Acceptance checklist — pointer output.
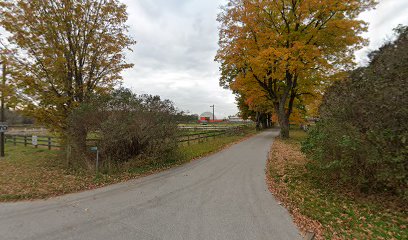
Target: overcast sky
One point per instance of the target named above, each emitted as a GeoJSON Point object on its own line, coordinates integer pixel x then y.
{"type": "Point", "coordinates": [177, 42]}
{"type": "Point", "coordinates": [174, 54]}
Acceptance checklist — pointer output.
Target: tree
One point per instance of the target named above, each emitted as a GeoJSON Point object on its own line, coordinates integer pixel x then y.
{"type": "Point", "coordinates": [286, 48]}
{"type": "Point", "coordinates": [186, 117]}
{"type": "Point", "coordinates": [255, 107]}
{"type": "Point", "coordinates": [62, 52]}
{"type": "Point", "coordinates": [15, 118]}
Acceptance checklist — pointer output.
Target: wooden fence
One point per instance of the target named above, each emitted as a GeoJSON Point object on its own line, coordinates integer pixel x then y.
{"type": "Point", "coordinates": [42, 141]}
{"type": "Point", "coordinates": [205, 128]}
{"type": "Point", "coordinates": [199, 136]}
{"type": "Point", "coordinates": [189, 135]}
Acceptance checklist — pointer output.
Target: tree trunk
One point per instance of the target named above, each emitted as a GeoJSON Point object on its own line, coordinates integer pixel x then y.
{"type": "Point", "coordinates": [283, 120]}
{"type": "Point", "coordinates": [258, 127]}
{"type": "Point", "coordinates": [81, 139]}
{"type": "Point", "coordinates": [268, 119]}
{"type": "Point", "coordinates": [76, 147]}
{"type": "Point", "coordinates": [264, 121]}
{"type": "Point", "coordinates": [284, 126]}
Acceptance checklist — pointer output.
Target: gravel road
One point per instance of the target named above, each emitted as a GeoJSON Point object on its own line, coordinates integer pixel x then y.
{"type": "Point", "coordinates": [223, 196]}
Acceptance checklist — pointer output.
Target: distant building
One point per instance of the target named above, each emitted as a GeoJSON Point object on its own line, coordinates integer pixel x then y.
{"type": "Point", "coordinates": [207, 117]}
{"type": "Point", "coordinates": [237, 119]}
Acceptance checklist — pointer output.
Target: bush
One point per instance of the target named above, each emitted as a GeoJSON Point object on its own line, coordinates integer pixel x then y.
{"type": "Point", "coordinates": [361, 139]}
{"type": "Point", "coordinates": [129, 130]}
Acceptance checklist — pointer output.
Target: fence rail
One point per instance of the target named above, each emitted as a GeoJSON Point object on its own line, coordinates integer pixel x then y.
{"type": "Point", "coordinates": [190, 134]}
{"type": "Point", "coordinates": [26, 140]}
{"type": "Point", "coordinates": [191, 137]}
{"type": "Point", "coordinates": [204, 127]}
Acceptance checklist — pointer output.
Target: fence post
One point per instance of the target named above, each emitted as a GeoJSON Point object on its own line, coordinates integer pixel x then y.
{"type": "Point", "coordinates": [25, 141]}
{"type": "Point", "coordinates": [14, 141]}
{"type": "Point", "coordinates": [188, 139]}
{"type": "Point", "coordinates": [49, 143]}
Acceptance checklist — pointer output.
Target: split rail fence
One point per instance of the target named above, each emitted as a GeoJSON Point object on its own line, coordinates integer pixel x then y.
{"type": "Point", "coordinates": [27, 140]}
{"type": "Point", "coordinates": [189, 135]}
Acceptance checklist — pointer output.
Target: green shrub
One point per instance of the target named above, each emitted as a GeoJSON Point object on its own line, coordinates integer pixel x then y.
{"type": "Point", "coordinates": [361, 140]}
{"type": "Point", "coordinates": [129, 130]}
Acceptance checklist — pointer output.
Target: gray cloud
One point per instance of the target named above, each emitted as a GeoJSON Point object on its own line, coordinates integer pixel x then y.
{"type": "Point", "coordinates": [382, 20]}
{"type": "Point", "coordinates": [174, 56]}
{"type": "Point", "coordinates": [177, 42]}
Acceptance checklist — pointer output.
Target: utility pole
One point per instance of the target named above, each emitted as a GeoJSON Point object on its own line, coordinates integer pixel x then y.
{"type": "Point", "coordinates": [213, 107]}
{"type": "Point", "coordinates": [2, 118]}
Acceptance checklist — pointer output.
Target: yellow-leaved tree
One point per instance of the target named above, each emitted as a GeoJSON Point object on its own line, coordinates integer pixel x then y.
{"type": "Point", "coordinates": [287, 48]}
{"type": "Point", "coordinates": [62, 52]}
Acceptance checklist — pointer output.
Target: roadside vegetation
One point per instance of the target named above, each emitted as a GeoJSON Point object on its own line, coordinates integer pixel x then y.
{"type": "Point", "coordinates": [33, 173]}
{"type": "Point", "coordinates": [329, 212]}
{"type": "Point", "coordinates": [347, 177]}
{"type": "Point", "coordinates": [282, 59]}
{"type": "Point", "coordinates": [128, 129]}
{"type": "Point", "coordinates": [361, 140]}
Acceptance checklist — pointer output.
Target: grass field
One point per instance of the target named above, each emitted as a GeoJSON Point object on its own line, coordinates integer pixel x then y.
{"type": "Point", "coordinates": [331, 213]}
{"type": "Point", "coordinates": [34, 173]}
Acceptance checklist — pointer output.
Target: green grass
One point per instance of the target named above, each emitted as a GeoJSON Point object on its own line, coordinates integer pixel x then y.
{"type": "Point", "coordinates": [35, 173]}
{"type": "Point", "coordinates": [296, 136]}
{"type": "Point", "coordinates": [208, 146]}
{"type": "Point", "coordinates": [220, 124]}
{"type": "Point", "coordinates": [342, 213]}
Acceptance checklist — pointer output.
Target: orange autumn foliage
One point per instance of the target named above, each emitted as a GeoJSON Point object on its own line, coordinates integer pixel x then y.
{"type": "Point", "coordinates": [281, 51]}
{"type": "Point", "coordinates": [63, 52]}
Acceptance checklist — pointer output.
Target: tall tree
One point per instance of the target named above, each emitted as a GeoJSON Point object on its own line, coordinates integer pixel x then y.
{"type": "Point", "coordinates": [287, 47]}
{"type": "Point", "coordinates": [63, 52]}
{"type": "Point", "coordinates": [256, 107]}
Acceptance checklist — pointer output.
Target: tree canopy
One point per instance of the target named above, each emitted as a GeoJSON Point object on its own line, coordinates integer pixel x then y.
{"type": "Point", "coordinates": [283, 50]}
{"type": "Point", "coordinates": [61, 52]}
